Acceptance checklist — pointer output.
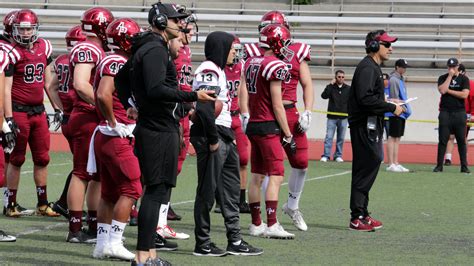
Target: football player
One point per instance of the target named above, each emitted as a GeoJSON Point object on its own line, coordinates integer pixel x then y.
{"type": "Point", "coordinates": [83, 61]}
{"type": "Point", "coordinates": [233, 73]}
{"type": "Point", "coordinates": [24, 109]}
{"type": "Point", "coordinates": [64, 98]}
{"type": "Point", "coordinates": [113, 145]}
{"type": "Point", "coordinates": [296, 58]}
{"type": "Point", "coordinates": [264, 76]}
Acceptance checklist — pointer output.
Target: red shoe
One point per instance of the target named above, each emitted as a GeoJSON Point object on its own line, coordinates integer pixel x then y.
{"type": "Point", "coordinates": [374, 223]}
{"type": "Point", "coordinates": [360, 225]}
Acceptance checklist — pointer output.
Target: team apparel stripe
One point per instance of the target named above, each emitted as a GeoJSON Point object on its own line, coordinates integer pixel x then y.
{"type": "Point", "coordinates": [3, 61]}
{"type": "Point", "coordinates": [306, 53]}
{"type": "Point", "coordinates": [280, 65]}
{"type": "Point", "coordinates": [86, 46]}
{"type": "Point", "coordinates": [110, 59]}
{"type": "Point", "coordinates": [268, 70]}
{"type": "Point", "coordinates": [12, 52]}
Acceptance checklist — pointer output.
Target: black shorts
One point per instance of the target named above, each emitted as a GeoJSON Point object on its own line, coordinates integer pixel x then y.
{"type": "Point", "coordinates": [157, 154]}
{"type": "Point", "coordinates": [396, 126]}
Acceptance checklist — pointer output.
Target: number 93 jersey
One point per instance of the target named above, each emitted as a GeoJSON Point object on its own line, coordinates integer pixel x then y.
{"type": "Point", "coordinates": [184, 68]}
{"type": "Point", "coordinates": [85, 52]}
{"type": "Point", "coordinates": [29, 72]}
{"type": "Point", "coordinates": [259, 71]}
{"type": "Point", "coordinates": [109, 66]}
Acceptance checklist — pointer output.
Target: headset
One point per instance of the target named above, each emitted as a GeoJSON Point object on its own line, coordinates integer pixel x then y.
{"type": "Point", "coordinates": [372, 44]}
{"type": "Point", "coordinates": [159, 20]}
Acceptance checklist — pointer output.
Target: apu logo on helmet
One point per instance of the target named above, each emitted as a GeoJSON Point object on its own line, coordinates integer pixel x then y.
{"type": "Point", "coordinates": [121, 28]}
{"type": "Point", "coordinates": [278, 32]}
{"type": "Point", "coordinates": [11, 18]}
{"type": "Point", "coordinates": [102, 18]}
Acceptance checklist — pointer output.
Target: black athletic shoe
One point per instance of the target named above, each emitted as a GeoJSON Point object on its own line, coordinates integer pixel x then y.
{"type": "Point", "coordinates": [464, 169]}
{"type": "Point", "coordinates": [162, 244]}
{"type": "Point", "coordinates": [152, 262]}
{"type": "Point", "coordinates": [173, 216]}
{"type": "Point", "coordinates": [243, 249]}
{"type": "Point", "coordinates": [438, 168]}
{"type": "Point", "coordinates": [447, 162]}
{"type": "Point", "coordinates": [244, 207]}
{"type": "Point", "coordinates": [210, 250]}
{"type": "Point", "coordinates": [81, 237]}
{"type": "Point", "coordinates": [61, 209]}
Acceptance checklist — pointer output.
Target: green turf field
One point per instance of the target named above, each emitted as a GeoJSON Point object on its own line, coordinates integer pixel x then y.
{"type": "Point", "coordinates": [428, 219]}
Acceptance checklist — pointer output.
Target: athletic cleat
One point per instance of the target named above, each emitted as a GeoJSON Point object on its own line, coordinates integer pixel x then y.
{"type": "Point", "coordinates": [276, 231]}
{"type": "Point", "coordinates": [173, 216]}
{"type": "Point", "coordinates": [169, 233]}
{"type": "Point", "coordinates": [210, 250]}
{"type": "Point", "coordinates": [100, 251]}
{"type": "Point", "coordinates": [438, 168]}
{"type": "Point", "coordinates": [243, 249]}
{"type": "Point", "coordinates": [58, 207]}
{"type": "Point", "coordinates": [118, 251]}
{"type": "Point", "coordinates": [296, 217]}
{"type": "Point", "coordinates": [324, 159]}
{"type": "Point", "coordinates": [466, 170]}
{"type": "Point", "coordinates": [162, 244]}
{"type": "Point", "coordinates": [393, 168]}
{"type": "Point", "coordinates": [402, 169]}
{"type": "Point", "coordinates": [257, 230]}
{"type": "Point", "coordinates": [339, 160]}
{"type": "Point", "coordinates": [12, 211]}
{"type": "Point", "coordinates": [6, 238]}
{"type": "Point", "coordinates": [447, 162]}
{"type": "Point", "coordinates": [45, 210]}
{"type": "Point", "coordinates": [80, 237]}
{"type": "Point", "coordinates": [374, 223]}
{"type": "Point", "coordinates": [25, 211]}
{"type": "Point", "coordinates": [360, 224]}
{"type": "Point", "coordinates": [244, 207]}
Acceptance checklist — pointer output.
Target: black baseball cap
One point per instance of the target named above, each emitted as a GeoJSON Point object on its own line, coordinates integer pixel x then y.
{"type": "Point", "coordinates": [401, 63]}
{"type": "Point", "coordinates": [170, 10]}
{"type": "Point", "coordinates": [452, 62]}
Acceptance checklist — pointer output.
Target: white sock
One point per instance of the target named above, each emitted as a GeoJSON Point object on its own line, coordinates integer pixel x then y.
{"type": "Point", "coordinates": [163, 218]}
{"type": "Point", "coordinates": [448, 156]}
{"type": "Point", "coordinates": [265, 184]}
{"type": "Point", "coordinates": [295, 187]}
{"type": "Point", "coordinates": [116, 232]}
{"type": "Point", "coordinates": [103, 232]}
{"type": "Point", "coordinates": [5, 197]}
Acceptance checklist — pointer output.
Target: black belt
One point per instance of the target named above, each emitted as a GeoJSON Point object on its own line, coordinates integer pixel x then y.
{"type": "Point", "coordinates": [29, 109]}
{"type": "Point", "coordinates": [235, 113]}
{"type": "Point", "coordinates": [289, 106]}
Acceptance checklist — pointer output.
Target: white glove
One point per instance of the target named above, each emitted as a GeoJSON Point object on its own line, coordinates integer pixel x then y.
{"type": "Point", "coordinates": [121, 129]}
{"type": "Point", "coordinates": [244, 118]}
{"type": "Point", "coordinates": [304, 121]}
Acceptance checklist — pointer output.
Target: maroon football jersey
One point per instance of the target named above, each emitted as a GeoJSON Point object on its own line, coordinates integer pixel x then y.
{"type": "Point", "coordinates": [301, 52]}
{"type": "Point", "coordinates": [61, 68]}
{"type": "Point", "coordinates": [109, 66]}
{"type": "Point", "coordinates": [4, 61]}
{"type": "Point", "coordinates": [28, 72]}
{"type": "Point", "coordinates": [251, 50]}
{"type": "Point", "coordinates": [184, 69]}
{"type": "Point", "coordinates": [259, 71]}
{"type": "Point", "coordinates": [232, 74]}
{"type": "Point", "coordinates": [12, 53]}
{"type": "Point", "coordinates": [85, 52]}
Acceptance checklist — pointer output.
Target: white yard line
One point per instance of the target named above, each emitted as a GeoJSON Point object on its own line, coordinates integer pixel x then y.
{"type": "Point", "coordinates": [32, 231]}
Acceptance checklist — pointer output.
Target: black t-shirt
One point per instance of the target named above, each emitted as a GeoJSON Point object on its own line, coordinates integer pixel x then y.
{"type": "Point", "coordinates": [448, 101]}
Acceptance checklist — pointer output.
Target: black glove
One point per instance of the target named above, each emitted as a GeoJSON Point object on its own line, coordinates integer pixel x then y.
{"type": "Point", "coordinates": [289, 142]}
{"type": "Point", "coordinates": [58, 119]}
{"type": "Point", "coordinates": [9, 140]}
{"type": "Point", "coordinates": [12, 125]}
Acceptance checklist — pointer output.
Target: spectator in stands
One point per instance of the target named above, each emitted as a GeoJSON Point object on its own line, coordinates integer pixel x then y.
{"type": "Point", "coordinates": [454, 89]}
{"type": "Point", "coordinates": [469, 102]}
{"type": "Point", "coordinates": [338, 94]}
{"type": "Point", "coordinates": [396, 128]}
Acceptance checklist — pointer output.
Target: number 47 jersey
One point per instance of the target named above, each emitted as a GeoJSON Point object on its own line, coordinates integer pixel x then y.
{"type": "Point", "coordinates": [259, 72]}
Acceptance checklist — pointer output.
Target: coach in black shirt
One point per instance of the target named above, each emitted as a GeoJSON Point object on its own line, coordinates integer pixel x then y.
{"type": "Point", "coordinates": [154, 86]}
{"type": "Point", "coordinates": [454, 89]}
{"type": "Point", "coordinates": [366, 108]}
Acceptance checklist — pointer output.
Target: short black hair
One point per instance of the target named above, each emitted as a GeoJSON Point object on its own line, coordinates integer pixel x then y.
{"type": "Point", "coordinates": [372, 36]}
{"type": "Point", "coordinates": [338, 71]}
{"type": "Point", "coordinates": [385, 76]}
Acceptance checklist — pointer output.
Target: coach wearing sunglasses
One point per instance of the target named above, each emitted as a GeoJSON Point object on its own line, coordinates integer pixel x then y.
{"type": "Point", "coordinates": [366, 108]}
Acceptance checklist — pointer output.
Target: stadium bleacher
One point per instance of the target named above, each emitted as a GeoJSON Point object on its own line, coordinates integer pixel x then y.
{"type": "Point", "coordinates": [430, 31]}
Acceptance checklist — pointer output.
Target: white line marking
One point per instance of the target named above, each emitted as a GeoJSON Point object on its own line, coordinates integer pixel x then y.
{"type": "Point", "coordinates": [284, 184]}
{"type": "Point", "coordinates": [50, 165]}
{"type": "Point", "coordinates": [32, 231]}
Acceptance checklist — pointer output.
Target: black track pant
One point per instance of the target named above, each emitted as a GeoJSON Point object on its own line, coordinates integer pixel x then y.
{"type": "Point", "coordinates": [367, 157]}
{"type": "Point", "coordinates": [218, 176]}
{"type": "Point", "coordinates": [452, 122]}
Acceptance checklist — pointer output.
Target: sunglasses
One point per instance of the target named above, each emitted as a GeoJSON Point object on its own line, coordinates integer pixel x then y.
{"type": "Point", "coordinates": [386, 44]}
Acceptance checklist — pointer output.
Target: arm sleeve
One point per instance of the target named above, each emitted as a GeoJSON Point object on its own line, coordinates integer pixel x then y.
{"type": "Point", "coordinates": [326, 93]}
{"type": "Point", "coordinates": [366, 95]}
{"type": "Point", "coordinates": [442, 79]}
{"type": "Point", "coordinates": [154, 74]}
{"type": "Point", "coordinates": [394, 88]}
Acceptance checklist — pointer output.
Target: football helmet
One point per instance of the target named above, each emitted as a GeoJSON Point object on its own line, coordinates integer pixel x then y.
{"type": "Point", "coordinates": [273, 17]}
{"type": "Point", "coordinates": [74, 35]}
{"type": "Point", "coordinates": [25, 27]}
{"type": "Point", "coordinates": [119, 34]}
{"type": "Point", "coordinates": [8, 23]}
{"type": "Point", "coordinates": [277, 38]}
{"type": "Point", "coordinates": [239, 50]}
{"type": "Point", "coordinates": [94, 22]}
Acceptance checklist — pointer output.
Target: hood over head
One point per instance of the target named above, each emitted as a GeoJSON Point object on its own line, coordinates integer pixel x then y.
{"type": "Point", "coordinates": [217, 47]}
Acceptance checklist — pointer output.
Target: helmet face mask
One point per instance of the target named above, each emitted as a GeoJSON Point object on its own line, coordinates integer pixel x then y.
{"type": "Point", "coordinates": [277, 38]}
{"type": "Point", "coordinates": [25, 27]}
{"type": "Point", "coordinates": [239, 50]}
